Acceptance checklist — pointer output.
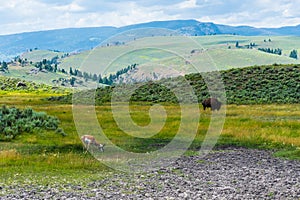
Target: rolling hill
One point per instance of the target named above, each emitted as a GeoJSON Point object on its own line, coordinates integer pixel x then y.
{"type": "Point", "coordinates": [79, 39]}
{"type": "Point", "coordinates": [162, 57]}
{"type": "Point", "coordinates": [249, 85]}
{"type": "Point", "coordinates": [178, 55]}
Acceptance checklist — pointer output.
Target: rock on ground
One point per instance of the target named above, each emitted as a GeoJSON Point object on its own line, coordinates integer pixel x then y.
{"type": "Point", "coordinates": [232, 173]}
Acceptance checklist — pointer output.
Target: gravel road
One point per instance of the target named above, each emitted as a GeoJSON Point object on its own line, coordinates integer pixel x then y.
{"type": "Point", "coordinates": [231, 173]}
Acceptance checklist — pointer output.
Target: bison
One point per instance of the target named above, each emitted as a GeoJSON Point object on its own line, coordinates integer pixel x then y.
{"type": "Point", "coordinates": [212, 103]}
{"type": "Point", "coordinates": [20, 84]}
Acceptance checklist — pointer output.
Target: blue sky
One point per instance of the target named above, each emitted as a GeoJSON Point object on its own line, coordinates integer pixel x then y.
{"type": "Point", "coordinates": [34, 15]}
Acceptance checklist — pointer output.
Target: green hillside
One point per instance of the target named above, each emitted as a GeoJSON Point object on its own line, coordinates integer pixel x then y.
{"type": "Point", "coordinates": [8, 84]}
{"type": "Point", "coordinates": [38, 55]}
{"type": "Point", "coordinates": [206, 53]}
{"type": "Point", "coordinates": [29, 72]}
{"type": "Point", "coordinates": [161, 57]}
{"type": "Point", "coordinates": [250, 85]}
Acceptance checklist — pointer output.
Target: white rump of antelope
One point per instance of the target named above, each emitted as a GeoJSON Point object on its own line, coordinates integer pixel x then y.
{"type": "Point", "coordinates": [90, 140]}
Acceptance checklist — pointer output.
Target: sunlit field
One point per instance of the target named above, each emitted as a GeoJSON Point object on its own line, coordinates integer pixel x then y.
{"type": "Point", "coordinates": [30, 157]}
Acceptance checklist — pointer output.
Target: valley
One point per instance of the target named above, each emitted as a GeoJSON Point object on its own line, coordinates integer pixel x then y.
{"type": "Point", "coordinates": [138, 91]}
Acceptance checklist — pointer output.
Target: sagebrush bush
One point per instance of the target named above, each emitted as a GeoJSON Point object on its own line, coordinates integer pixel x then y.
{"type": "Point", "coordinates": [249, 85]}
{"type": "Point", "coordinates": [14, 121]}
{"type": "Point", "coordinates": [11, 84]}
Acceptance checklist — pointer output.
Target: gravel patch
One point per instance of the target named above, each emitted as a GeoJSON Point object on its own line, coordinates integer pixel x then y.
{"type": "Point", "coordinates": [231, 173]}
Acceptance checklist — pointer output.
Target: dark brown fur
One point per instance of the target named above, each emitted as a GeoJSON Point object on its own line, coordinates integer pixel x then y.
{"type": "Point", "coordinates": [212, 103]}
{"type": "Point", "coordinates": [20, 84]}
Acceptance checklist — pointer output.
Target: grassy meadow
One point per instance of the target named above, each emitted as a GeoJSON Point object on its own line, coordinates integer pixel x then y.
{"type": "Point", "coordinates": [41, 77]}
{"type": "Point", "coordinates": [39, 55]}
{"type": "Point", "coordinates": [46, 157]}
{"type": "Point", "coordinates": [182, 54]}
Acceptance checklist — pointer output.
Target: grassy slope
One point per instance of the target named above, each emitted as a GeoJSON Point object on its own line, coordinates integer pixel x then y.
{"type": "Point", "coordinates": [41, 77]}
{"type": "Point", "coordinates": [39, 55]}
{"type": "Point", "coordinates": [110, 59]}
{"type": "Point", "coordinates": [249, 85]}
{"type": "Point", "coordinates": [8, 85]}
{"type": "Point", "coordinates": [44, 77]}
{"type": "Point", "coordinates": [286, 43]}
{"type": "Point", "coordinates": [166, 56]}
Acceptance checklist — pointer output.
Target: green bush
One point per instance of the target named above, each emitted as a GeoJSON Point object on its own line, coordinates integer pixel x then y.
{"type": "Point", "coordinates": [14, 122]}
{"type": "Point", "coordinates": [250, 85]}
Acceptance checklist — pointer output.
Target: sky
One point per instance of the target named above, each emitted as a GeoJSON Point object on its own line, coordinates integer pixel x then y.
{"type": "Point", "coordinates": [34, 15]}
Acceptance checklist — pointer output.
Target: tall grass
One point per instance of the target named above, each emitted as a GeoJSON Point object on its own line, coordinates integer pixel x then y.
{"type": "Point", "coordinates": [265, 125]}
{"type": "Point", "coordinates": [272, 126]}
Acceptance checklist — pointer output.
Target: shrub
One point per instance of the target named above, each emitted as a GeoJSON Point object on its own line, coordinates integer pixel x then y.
{"type": "Point", "coordinates": [250, 85]}
{"type": "Point", "coordinates": [14, 122]}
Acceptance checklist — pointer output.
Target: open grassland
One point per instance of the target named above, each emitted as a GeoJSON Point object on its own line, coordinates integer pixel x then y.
{"type": "Point", "coordinates": [161, 57]}
{"type": "Point", "coordinates": [10, 85]}
{"type": "Point", "coordinates": [39, 55]}
{"type": "Point", "coordinates": [46, 157]}
{"type": "Point", "coordinates": [206, 53]}
{"type": "Point", "coordinates": [25, 73]}
{"type": "Point", "coordinates": [286, 43]}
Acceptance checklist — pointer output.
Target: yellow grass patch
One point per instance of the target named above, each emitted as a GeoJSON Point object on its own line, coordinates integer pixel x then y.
{"type": "Point", "coordinates": [10, 154]}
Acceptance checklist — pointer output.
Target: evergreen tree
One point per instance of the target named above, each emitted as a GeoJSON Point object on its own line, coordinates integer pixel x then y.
{"type": "Point", "coordinates": [72, 81]}
{"type": "Point", "coordinates": [86, 75]}
{"type": "Point", "coordinates": [76, 72]}
{"type": "Point", "coordinates": [71, 71]}
{"type": "Point", "coordinates": [100, 79]}
{"type": "Point", "coordinates": [237, 44]}
{"type": "Point", "coordinates": [110, 79]}
{"type": "Point", "coordinates": [44, 61]}
{"type": "Point", "coordinates": [79, 73]}
{"type": "Point", "coordinates": [105, 81]}
{"type": "Point", "coordinates": [294, 54]}
{"type": "Point", "coordinates": [94, 77]}
{"type": "Point", "coordinates": [4, 66]}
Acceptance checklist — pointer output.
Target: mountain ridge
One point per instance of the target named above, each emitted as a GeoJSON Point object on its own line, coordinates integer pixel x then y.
{"type": "Point", "coordinates": [80, 39]}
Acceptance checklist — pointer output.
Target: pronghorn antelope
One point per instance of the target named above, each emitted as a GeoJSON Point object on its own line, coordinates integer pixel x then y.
{"type": "Point", "coordinates": [90, 140]}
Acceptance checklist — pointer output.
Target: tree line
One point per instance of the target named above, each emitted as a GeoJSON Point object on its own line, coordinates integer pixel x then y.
{"type": "Point", "coordinates": [52, 66]}
{"type": "Point", "coordinates": [108, 80]}
{"type": "Point", "coordinates": [277, 51]}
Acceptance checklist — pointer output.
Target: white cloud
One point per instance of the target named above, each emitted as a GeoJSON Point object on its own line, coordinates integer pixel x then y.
{"type": "Point", "coordinates": [72, 7]}
{"type": "Point", "coordinates": [32, 15]}
{"type": "Point", "coordinates": [258, 13]}
{"type": "Point", "coordinates": [187, 4]}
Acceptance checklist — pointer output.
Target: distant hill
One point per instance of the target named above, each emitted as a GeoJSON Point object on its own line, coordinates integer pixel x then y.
{"type": "Point", "coordinates": [287, 30]}
{"type": "Point", "coordinates": [8, 84]}
{"type": "Point", "coordinates": [250, 85]}
{"type": "Point", "coordinates": [195, 54]}
{"type": "Point", "coordinates": [79, 39]}
{"type": "Point", "coordinates": [67, 40]}
{"type": "Point", "coordinates": [206, 52]}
